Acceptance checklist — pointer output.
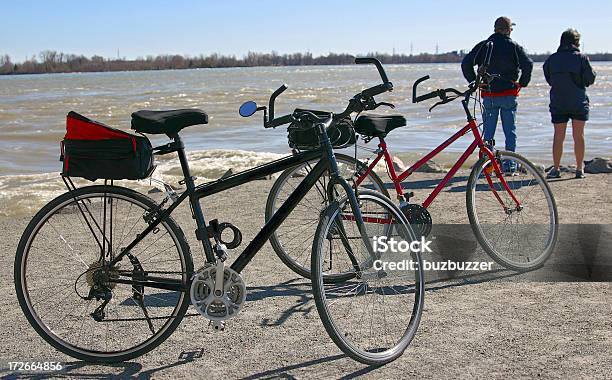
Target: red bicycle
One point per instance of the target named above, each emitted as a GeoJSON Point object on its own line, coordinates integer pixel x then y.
{"type": "Point", "coordinates": [514, 218]}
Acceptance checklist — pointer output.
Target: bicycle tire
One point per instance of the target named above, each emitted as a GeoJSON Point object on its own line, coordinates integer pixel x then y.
{"type": "Point", "coordinates": [289, 258]}
{"type": "Point", "coordinates": [20, 275]}
{"type": "Point", "coordinates": [477, 224]}
{"type": "Point", "coordinates": [343, 339]}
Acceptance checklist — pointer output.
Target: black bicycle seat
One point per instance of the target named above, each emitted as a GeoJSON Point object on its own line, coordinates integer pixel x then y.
{"type": "Point", "coordinates": [169, 122]}
{"type": "Point", "coordinates": [378, 125]}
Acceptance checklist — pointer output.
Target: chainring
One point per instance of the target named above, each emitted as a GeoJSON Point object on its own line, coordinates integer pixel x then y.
{"type": "Point", "coordinates": [217, 308]}
{"type": "Point", "coordinates": [418, 217]}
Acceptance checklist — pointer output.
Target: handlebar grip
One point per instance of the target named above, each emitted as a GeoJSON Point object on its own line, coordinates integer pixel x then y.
{"type": "Point", "coordinates": [365, 60]}
{"type": "Point", "coordinates": [416, 99]}
{"type": "Point", "coordinates": [378, 89]}
{"type": "Point", "coordinates": [431, 95]}
{"type": "Point", "coordinates": [276, 93]}
{"type": "Point", "coordinates": [381, 70]}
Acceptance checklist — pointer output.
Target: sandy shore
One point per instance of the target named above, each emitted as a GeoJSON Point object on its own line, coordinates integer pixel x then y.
{"type": "Point", "coordinates": [490, 328]}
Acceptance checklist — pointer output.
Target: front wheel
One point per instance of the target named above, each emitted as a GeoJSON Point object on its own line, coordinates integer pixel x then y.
{"type": "Point", "coordinates": [517, 228]}
{"type": "Point", "coordinates": [374, 316]}
{"type": "Point", "coordinates": [66, 287]}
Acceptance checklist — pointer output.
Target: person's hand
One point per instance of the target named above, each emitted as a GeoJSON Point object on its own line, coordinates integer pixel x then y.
{"type": "Point", "coordinates": [517, 85]}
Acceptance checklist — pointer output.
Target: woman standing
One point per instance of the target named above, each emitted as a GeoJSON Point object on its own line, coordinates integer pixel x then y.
{"type": "Point", "coordinates": [568, 72]}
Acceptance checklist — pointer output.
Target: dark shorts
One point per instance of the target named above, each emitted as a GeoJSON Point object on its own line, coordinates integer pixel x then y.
{"type": "Point", "coordinates": [558, 117]}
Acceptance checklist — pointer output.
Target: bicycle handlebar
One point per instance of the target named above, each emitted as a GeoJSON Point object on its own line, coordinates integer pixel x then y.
{"type": "Point", "coordinates": [273, 97]}
{"type": "Point", "coordinates": [415, 98]}
{"type": "Point", "coordinates": [381, 70]}
{"type": "Point", "coordinates": [377, 90]}
{"type": "Point", "coordinates": [442, 93]}
{"type": "Point", "coordinates": [360, 102]}
{"type": "Point", "coordinates": [380, 88]}
{"type": "Point", "coordinates": [439, 93]}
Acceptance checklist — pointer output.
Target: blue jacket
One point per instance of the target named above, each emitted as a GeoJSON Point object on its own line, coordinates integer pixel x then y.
{"type": "Point", "coordinates": [506, 60]}
{"type": "Point", "coordinates": [569, 73]}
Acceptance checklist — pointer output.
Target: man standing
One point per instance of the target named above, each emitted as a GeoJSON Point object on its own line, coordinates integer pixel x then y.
{"type": "Point", "coordinates": [499, 96]}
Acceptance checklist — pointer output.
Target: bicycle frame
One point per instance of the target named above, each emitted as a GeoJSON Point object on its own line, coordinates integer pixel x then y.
{"type": "Point", "coordinates": [326, 162]}
{"type": "Point", "coordinates": [478, 142]}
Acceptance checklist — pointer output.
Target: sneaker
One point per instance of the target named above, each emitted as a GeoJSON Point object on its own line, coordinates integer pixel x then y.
{"type": "Point", "coordinates": [553, 173]}
{"type": "Point", "coordinates": [580, 174]}
{"type": "Point", "coordinates": [509, 167]}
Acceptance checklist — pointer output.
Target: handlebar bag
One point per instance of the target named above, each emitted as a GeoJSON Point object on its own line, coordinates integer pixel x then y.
{"type": "Point", "coordinates": [93, 151]}
{"type": "Point", "coordinates": [302, 135]}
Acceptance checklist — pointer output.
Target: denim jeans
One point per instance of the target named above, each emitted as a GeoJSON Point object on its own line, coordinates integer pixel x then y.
{"type": "Point", "coordinates": [506, 107]}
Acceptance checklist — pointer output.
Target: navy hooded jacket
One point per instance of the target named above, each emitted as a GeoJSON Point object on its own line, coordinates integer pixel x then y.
{"type": "Point", "coordinates": [569, 73]}
{"type": "Point", "coordinates": [506, 60]}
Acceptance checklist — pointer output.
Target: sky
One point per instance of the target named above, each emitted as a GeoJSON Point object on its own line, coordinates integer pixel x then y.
{"type": "Point", "coordinates": [140, 28]}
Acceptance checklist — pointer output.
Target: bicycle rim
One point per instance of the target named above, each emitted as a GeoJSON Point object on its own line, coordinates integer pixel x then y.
{"type": "Point", "coordinates": [519, 239]}
{"type": "Point", "coordinates": [59, 256]}
{"type": "Point", "coordinates": [374, 316]}
{"type": "Point", "coordinates": [298, 230]}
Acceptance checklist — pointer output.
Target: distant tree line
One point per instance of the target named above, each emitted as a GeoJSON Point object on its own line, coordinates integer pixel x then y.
{"type": "Point", "coordinates": [54, 62]}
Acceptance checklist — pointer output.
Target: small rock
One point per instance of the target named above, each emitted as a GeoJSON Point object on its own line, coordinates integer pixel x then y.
{"type": "Point", "coordinates": [598, 165]}
{"type": "Point", "coordinates": [398, 165]}
{"type": "Point", "coordinates": [431, 167]}
{"type": "Point", "coordinates": [154, 190]}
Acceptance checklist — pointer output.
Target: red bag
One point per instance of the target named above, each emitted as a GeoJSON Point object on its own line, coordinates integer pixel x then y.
{"type": "Point", "coordinates": [93, 151]}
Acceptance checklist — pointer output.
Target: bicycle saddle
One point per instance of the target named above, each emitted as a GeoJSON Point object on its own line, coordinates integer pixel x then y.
{"type": "Point", "coordinates": [168, 122]}
{"type": "Point", "coordinates": [378, 125]}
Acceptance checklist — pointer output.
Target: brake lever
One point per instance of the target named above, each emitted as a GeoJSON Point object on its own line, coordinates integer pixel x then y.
{"type": "Point", "coordinates": [437, 104]}
{"type": "Point", "coordinates": [443, 101]}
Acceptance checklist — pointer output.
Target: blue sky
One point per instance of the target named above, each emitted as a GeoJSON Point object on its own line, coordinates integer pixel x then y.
{"type": "Point", "coordinates": [140, 28]}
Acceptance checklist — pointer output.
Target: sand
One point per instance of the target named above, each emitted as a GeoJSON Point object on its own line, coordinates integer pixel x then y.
{"type": "Point", "coordinates": [494, 328]}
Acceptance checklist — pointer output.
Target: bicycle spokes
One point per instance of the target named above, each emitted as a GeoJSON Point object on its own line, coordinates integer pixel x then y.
{"type": "Point", "coordinates": [514, 218]}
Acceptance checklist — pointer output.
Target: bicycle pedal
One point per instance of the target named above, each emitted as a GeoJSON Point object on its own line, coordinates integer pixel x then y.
{"type": "Point", "coordinates": [218, 325]}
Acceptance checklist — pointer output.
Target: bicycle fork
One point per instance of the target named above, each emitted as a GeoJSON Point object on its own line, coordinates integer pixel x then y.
{"type": "Point", "coordinates": [493, 158]}
{"type": "Point", "coordinates": [351, 192]}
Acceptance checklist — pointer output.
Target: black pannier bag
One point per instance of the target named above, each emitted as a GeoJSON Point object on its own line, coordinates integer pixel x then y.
{"type": "Point", "coordinates": [93, 151]}
{"type": "Point", "coordinates": [303, 135]}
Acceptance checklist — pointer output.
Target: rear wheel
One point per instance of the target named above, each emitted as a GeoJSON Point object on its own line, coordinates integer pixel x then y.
{"type": "Point", "coordinates": [62, 276]}
{"type": "Point", "coordinates": [297, 231]}
{"type": "Point", "coordinates": [517, 237]}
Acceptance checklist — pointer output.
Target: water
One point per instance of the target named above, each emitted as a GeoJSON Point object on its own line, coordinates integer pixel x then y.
{"type": "Point", "coordinates": [33, 110]}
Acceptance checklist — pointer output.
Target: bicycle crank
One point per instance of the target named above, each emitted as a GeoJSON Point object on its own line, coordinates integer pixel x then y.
{"type": "Point", "coordinates": [217, 297]}
{"type": "Point", "coordinates": [418, 217]}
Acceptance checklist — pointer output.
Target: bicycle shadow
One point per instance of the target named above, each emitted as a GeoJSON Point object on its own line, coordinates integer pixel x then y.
{"type": "Point", "coordinates": [285, 371]}
{"type": "Point", "coordinates": [514, 185]}
{"type": "Point", "coordinates": [301, 289]}
{"type": "Point", "coordinates": [165, 299]}
{"type": "Point", "coordinates": [130, 370]}
{"type": "Point", "coordinates": [296, 287]}
{"type": "Point", "coordinates": [426, 183]}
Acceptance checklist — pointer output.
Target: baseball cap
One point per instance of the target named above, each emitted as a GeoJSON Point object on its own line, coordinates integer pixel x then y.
{"type": "Point", "coordinates": [504, 23]}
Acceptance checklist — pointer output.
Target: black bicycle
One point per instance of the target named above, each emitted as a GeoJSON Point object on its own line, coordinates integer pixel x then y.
{"type": "Point", "coordinates": [103, 273]}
